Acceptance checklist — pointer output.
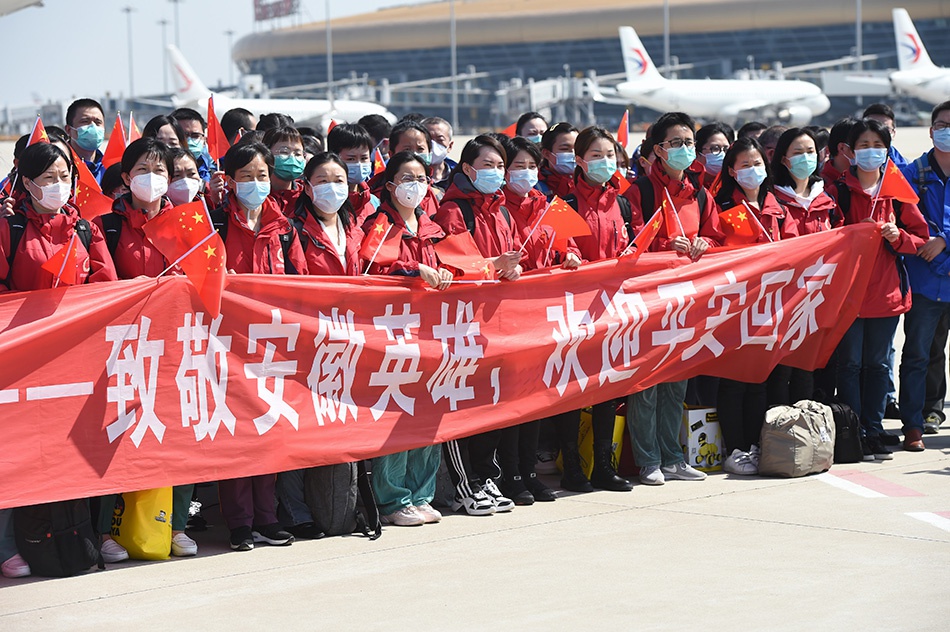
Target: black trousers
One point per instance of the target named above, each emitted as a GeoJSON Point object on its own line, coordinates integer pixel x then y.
{"type": "Point", "coordinates": [741, 412]}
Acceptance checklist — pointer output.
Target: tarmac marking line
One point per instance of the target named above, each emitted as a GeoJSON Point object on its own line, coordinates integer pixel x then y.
{"type": "Point", "coordinates": [940, 520]}
{"type": "Point", "coordinates": [867, 485]}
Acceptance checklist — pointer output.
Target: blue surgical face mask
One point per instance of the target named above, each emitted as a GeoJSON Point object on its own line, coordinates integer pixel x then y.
{"type": "Point", "coordinates": [566, 163]}
{"type": "Point", "coordinates": [714, 162]}
{"type": "Point", "coordinates": [329, 196]}
{"type": "Point", "coordinates": [522, 180]}
{"type": "Point", "coordinates": [803, 165]}
{"type": "Point", "coordinates": [536, 139]}
{"type": "Point", "coordinates": [942, 139]}
{"type": "Point", "coordinates": [871, 158]}
{"type": "Point", "coordinates": [196, 146]}
{"type": "Point", "coordinates": [357, 172]}
{"type": "Point", "coordinates": [680, 158]}
{"type": "Point", "coordinates": [252, 194]}
{"type": "Point", "coordinates": [288, 168]}
{"type": "Point", "coordinates": [601, 169]}
{"type": "Point", "coordinates": [751, 177]}
{"type": "Point", "coordinates": [489, 180]}
{"type": "Point", "coordinates": [89, 137]}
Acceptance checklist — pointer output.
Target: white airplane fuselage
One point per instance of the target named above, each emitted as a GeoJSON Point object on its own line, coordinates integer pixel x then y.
{"type": "Point", "coordinates": [931, 85]}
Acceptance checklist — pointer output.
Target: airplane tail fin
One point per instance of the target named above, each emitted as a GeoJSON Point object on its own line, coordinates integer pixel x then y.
{"type": "Point", "coordinates": [911, 54]}
{"type": "Point", "coordinates": [188, 87]}
{"type": "Point", "coordinates": [636, 60]}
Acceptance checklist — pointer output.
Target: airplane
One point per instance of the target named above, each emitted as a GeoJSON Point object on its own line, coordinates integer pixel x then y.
{"type": "Point", "coordinates": [728, 100]}
{"type": "Point", "coordinates": [917, 75]}
{"type": "Point", "coordinates": [191, 92]}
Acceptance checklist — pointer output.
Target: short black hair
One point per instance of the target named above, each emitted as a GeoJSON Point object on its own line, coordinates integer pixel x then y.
{"type": "Point", "coordinates": [37, 158]}
{"type": "Point", "coordinates": [668, 120]}
{"type": "Point", "coordinates": [417, 117]}
{"type": "Point", "coordinates": [188, 114]}
{"type": "Point", "coordinates": [349, 136]}
{"type": "Point", "coordinates": [404, 126]}
{"type": "Point", "coordinates": [160, 121]}
{"type": "Point", "coordinates": [241, 154]}
{"type": "Point", "coordinates": [150, 147]}
{"type": "Point", "coordinates": [306, 130]}
{"type": "Point", "coordinates": [396, 161]}
{"type": "Point", "coordinates": [378, 127]}
{"type": "Point", "coordinates": [518, 144]}
{"type": "Point", "coordinates": [869, 125]}
{"type": "Point", "coordinates": [236, 119]}
{"type": "Point", "coordinates": [751, 128]}
{"type": "Point", "coordinates": [79, 104]}
{"type": "Point", "coordinates": [549, 137]}
{"type": "Point", "coordinates": [940, 107]}
{"type": "Point", "coordinates": [312, 145]}
{"type": "Point", "coordinates": [528, 116]}
{"type": "Point", "coordinates": [112, 179]}
{"type": "Point", "coordinates": [711, 129]}
{"type": "Point", "coordinates": [879, 109]}
{"type": "Point", "coordinates": [274, 119]}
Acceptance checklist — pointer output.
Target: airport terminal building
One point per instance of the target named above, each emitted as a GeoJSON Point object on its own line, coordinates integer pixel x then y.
{"type": "Point", "coordinates": [533, 39]}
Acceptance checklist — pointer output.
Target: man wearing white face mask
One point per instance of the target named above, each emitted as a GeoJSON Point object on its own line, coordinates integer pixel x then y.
{"type": "Point", "coordinates": [441, 133]}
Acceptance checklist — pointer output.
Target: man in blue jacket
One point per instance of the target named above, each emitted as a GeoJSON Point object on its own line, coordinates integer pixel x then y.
{"type": "Point", "coordinates": [929, 275]}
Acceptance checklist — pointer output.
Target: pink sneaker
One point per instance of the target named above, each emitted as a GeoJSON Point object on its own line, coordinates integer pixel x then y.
{"type": "Point", "coordinates": [15, 567]}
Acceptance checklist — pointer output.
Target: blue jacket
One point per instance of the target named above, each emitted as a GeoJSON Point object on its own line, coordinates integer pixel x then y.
{"type": "Point", "coordinates": [896, 156]}
{"type": "Point", "coordinates": [931, 280]}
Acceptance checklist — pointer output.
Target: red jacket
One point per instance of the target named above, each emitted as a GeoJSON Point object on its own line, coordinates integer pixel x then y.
{"type": "Point", "coordinates": [829, 175]}
{"type": "Point", "coordinates": [362, 202]}
{"type": "Point", "coordinates": [696, 222]}
{"type": "Point", "coordinates": [414, 248]}
{"type": "Point", "coordinates": [287, 200]}
{"type": "Point", "coordinates": [559, 184]}
{"type": "Point", "coordinates": [261, 253]}
{"type": "Point", "coordinates": [44, 236]}
{"type": "Point", "coordinates": [800, 220]}
{"type": "Point", "coordinates": [321, 253]}
{"type": "Point", "coordinates": [494, 233]}
{"type": "Point", "coordinates": [599, 207]}
{"type": "Point", "coordinates": [524, 213]}
{"type": "Point", "coordinates": [771, 215]}
{"type": "Point", "coordinates": [430, 203]}
{"type": "Point", "coordinates": [888, 294]}
{"type": "Point", "coordinates": [134, 254]}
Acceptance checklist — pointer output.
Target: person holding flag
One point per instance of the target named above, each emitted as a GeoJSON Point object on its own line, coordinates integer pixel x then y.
{"type": "Point", "coordinates": [353, 144]}
{"type": "Point", "coordinates": [557, 167]}
{"type": "Point", "coordinates": [872, 191]}
{"type": "Point", "coordinates": [86, 126]}
{"type": "Point", "coordinates": [286, 145]}
{"type": "Point", "coordinates": [690, 227]}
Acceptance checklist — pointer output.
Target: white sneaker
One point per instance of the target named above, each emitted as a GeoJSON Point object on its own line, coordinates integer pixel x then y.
{"type": "Point", "coordinates": [740, 463]}
{"type": "Point", "coordinates": [754, 453]}
{"type": "Point", "coordinates": [183, 546]}
{"type": "Point", "coordinates": [682, 471]}
{"type": "Point", "coordinates": [15, 567]}
{"type": "Point", "coordinates": [478, 504]}
{"type": "Point", "coordinates": [429, 513]}
{"type": "Point", "coordinates": [502, 502]}
{"type": "Point", "coordinates": [113, 552]}
{"type": "Point", "coordinates": [651, 475]}
{"type": "Point", "coordinates": [405, 517]}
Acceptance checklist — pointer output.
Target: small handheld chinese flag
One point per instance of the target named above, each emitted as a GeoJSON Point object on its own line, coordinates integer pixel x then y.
{"type": "Point", "coordinates": [185, 237]}
{"type": "Point", "coordinates": [331, 126]}
{"type": "Point", "coordinates": [674, 227]}
{"type": "Point", "coordinates": [620, 181]}
{"type": "Point", "coordinates": [134, 133]}
{"type": "Point", "coordinates": [565, 222]}
{"type": "Point", "coordinates": [461, 252]}
{"type": "Point", "coordinates": [511, 131]}
{"type": "Point", "coordinates": [88, 196]}
{"type": "Point", "coordinates": [379, 165]}
{"type": "Point", "coordinates": [38, 135]}
{"type": "Point", "coordinates": [381, 243]}
{"type": "Point", "coordinates": [641, 243]}
{"type": "Point", "coordinates": [218, 144]}
{"type": "Point", "coordinates": [64, 264]}
{"type": "Point", "coordinates": [738, 227]}
{"type": "Point", "coordinates": [895, 186]}
{"type": "Point", "coordinates": [623, 132]}
{"type": "Point", "coordinates": [116, 146]}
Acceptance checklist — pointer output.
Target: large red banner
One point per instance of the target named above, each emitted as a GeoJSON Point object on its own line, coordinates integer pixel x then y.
{"type": "Point", "coordinates": [130, 385]}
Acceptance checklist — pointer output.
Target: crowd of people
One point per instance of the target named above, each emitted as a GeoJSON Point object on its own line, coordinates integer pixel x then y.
{"type": "Point", "coordinates": [285, 188]}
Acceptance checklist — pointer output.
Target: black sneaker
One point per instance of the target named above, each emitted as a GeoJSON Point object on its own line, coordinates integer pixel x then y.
{"type": "Point", "coordinates": [868, 453]}
{"type": "Point", "coordinates": [890, 440]}
{"type": "Point", "coordinates": [242, 539]}
{"type": "Point", "coordinates": [306, 531]}
{"type": "Point", "coordinates": [881, 451]}
{"type": "Point", "coordinates": [273, 534]}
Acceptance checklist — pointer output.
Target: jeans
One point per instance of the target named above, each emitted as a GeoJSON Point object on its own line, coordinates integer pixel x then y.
{"type": "Point", "coordinates": [406, 479]}
{"type": "Point", "coordinates": [292, 509]}
{"type": "Point", "coordinates": [657, 416]}
{"type": "Point", "coordinates": [919, 326]}
{"type": "Point", "coordinates": [937, 370]}
{"type": "Point", "coordinates": [865, 348]}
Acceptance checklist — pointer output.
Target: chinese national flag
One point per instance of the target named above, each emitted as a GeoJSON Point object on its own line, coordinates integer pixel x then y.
{"type": "Point", "coordinates": [565, 222]}
{"type": "Point", "coordinates": [116, 146]}
{"type": "Point", "coordinates": [511, 131]}
{"type": "Point", "coordinates": [621, 181]}
{"type": "Point", "coordinates": [38, 135]}
{"type": "Point", "coordinates": [218, 144]}
{"type": "Point", "coordinates": [88, 196]}
{"type": "Point", "coordinates": [379, 165]}
{"type": "Point", "coordinates": [461, 252]}
{"type": "Point", "coordinates": [738, 227]}
{"type": "Point", "coordinates": [641, 243]}
{"type": "Point", "coordinates": [623, 132]}
{"type": "Point", "coordinates": [134, 133]}
{"type": "Point", "coordinates": [895, 186]}
{"type": "Point", "coordinates": [674, 227]}
{"type": "Point", "coordinates": [185, 237]}
{"type": "Point", "coordinates": [65, 263]}
{"type": "Point", "coordinates": [331, 126]}
{"type": "Point", "coordinates": [382, 242]}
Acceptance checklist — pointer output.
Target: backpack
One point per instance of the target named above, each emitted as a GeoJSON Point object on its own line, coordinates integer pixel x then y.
{"type": "Point", "coordinates": [219, 219]}
{"type": "Point", "coordinates": [468, 214]}
{"type": "Point", "coordinates": [797, 440]}
{"type": "Point", "coordinates": [332, 493]}
{"type": "Point", "coordinates": [847, 434]}
{"type": "Point", "coordinates": [17, 223]}
{"type": "Point", "coordinates": [626, 212]}
{"type": "Point", "coordinates": [112, 229]}
{"type": "Point", "coordinates": [57, 539]}
{"type": "Point", "coordinates": [648, 199]}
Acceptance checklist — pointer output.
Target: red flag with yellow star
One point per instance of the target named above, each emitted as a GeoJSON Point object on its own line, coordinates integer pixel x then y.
{"type": "Point", "coordinates": [64, 264]}
{"type": "Point", "coordinates": [895, 186]}
{"type": "Point", "coordinates": [116, 146]}
{"type": "Point", "coordinates": [623, 132]}
{"type": "Point", "coordinates": [134, 133]}
{"type": "Point", "coordinates": [218, 144]}
{"type": "Point", "coordinates": [565, 222]}
{"type": "Point", "coordinates": [38, 135]}
{"type": "Point", "coordinates": [461, 252]}
{"type": "Point", "coordinates": [738, 227]}
{"type": "Point", "coordinates": [641, 243]}
{"type": "Point", "coordinates": [88, 197]}
{"type": "Point", "coordinates": [379, 164]}
{"type": "Point", "coordinates": [186, 238]}
{"type": "Point", "coordinates": [382, 242]}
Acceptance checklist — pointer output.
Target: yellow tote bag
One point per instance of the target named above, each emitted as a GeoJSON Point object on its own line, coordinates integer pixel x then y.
{"type": "Point", "coordinates": [142, 523]}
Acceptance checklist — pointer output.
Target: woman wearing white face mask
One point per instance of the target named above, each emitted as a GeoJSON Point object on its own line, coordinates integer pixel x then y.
{"type": "Point", "coordinates": [186, 184]}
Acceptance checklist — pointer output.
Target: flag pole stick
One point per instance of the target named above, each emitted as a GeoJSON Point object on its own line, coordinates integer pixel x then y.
{"type": "Point", "coordinates": [757, 222]}
{"type": "Point", "coordinates": [62, 268]}
{"type": "Point", "coordinates": [534, 228]}
{"type": "Point", "coordinates": [381, 242]}
{"type": "Point", "coordinates": [191, 250]}
{"type": "Point", "coordinates": [679, 224]}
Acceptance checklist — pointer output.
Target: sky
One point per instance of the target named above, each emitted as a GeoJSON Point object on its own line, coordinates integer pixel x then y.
{"type": "Point", "coordinates": [75, 48]}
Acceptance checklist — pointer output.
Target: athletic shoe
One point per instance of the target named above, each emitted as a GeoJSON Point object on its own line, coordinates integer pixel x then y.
{"type": "Point", "coordinates": [15, 567]}
{"type": "Point", "coordinates": [866, 451]}
{"type": "Point", "coordinates": [478, 504]}
{"type": "Point", "coordinates": [740, 463]}
{"type": "Point", "coordinates": [405, 517]}
{"type": "Point", "coordinates": [183, 546]}
{"type": "Point", "coordinates": [113, 552]}
{"type": "Point", "coordinates": [429, 513]}
{"type": "Point", "coordinates": [272, 534]}
{"type": "Point", "coordinates": [754, 456]}
{"type": "Point", "coordinates": [306, 531]}
{"type": "Point", "coordinates": [514, 488]}
{"type": "Point", "coordinates": [651, 475]}
{"type": "Point", "coordinates": [890, 440]}
{"type": "Point", "coordinates": [682, 471]}
{"type": "Point", "coordinates": [881, 452]}
{"type": "Point", "coordinates": [932, 423]}
{"type": "Point", "coordinates": [242, 539]}
{"type": "Point", "coordinates": [502, 502]}
{"type": "Point", "coordinates": [547, 463]}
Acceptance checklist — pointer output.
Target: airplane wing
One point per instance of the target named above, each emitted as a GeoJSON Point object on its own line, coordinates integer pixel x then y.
{"type": "Point", "coordinates": [608, 94]}
{"type": "Point", "coordinates": [733, 110]}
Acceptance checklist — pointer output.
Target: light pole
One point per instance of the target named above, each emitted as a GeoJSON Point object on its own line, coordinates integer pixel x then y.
{"type": "Point", "coordinates": [230, 34]}
{"type": "Point", "coordinates": [329, 56]}
{"type": "Point", "coordinates": [177, 39]}
{"type": "Point", "coordinates": [666, 36]}
{"type": "Point", "coordinates": [164, 23]}
{"type": "Point", "coordinates": [858, 36]}
{"type": "Point", "coordinates": [128, 14]}
{"type": "Point", "coordinates": [453, 56]}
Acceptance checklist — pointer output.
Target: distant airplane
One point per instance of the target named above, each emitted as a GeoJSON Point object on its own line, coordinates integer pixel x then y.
{"type": "Point", "coordinates": [728, 100]}
{"type": "Point", "coordinates": [917, 75]}
{"type": "Point", "coordinates": [191, 92]}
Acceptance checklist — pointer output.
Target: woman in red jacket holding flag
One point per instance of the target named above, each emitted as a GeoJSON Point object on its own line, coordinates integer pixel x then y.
{"type": "Point", "coordinates": [869, 192]}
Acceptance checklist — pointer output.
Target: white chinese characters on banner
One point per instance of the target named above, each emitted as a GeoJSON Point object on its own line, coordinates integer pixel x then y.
{"type": "Point", "coordinates": [273, 369]}
{"type": "Point", "coordinates": [627, 313]}
{"type": "Point", "coordinates": [761, 320]}
{"type": "Point", "coordinates": [573, 327]}
{"type": "Point", "coordinates": [680, 299]}
{"type": "Point", "coordinates": [400, 366]}
{"type": "Point", "coordinates": [804, 319]}
{"type": "Point", "coordinates": [339, 345]}
{"type": "Point", "coordinates": [728, 308]}
{"type": "Point", "coordinates": [204, 370]}
{"type": "Point", "coordinates": [135, 368]}
{"type": "Point", "coordinates": [460, 356]}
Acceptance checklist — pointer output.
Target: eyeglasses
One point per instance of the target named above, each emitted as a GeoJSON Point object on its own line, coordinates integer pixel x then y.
{"type": "Point", "coordinates": [287, 151]}
{"type": "Point", "coordinates": [679, 142]}
{"type": "Point", "coordinates": [408, 179]}
{"type": "Point", "coordinates": [717, 149]}
{"type": "Point", "coordinates": [195, 136]}
{"type": "Point", "coordinates": [940, 126]}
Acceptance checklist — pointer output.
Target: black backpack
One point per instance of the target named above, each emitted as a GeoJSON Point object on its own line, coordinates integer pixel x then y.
{"type": "Point", "coordinates": [17, 223]}
{"type": "Point", "coordinates": [219, 219]}
{"type": "Point", "coordinates": [648, 199]}
{"type": "Point", "coordinates": [342, 500]}
{"type": "Point", "coordinates": [847, 434]}
{"type": "Point", "coordinates": [468, 214]}
{"type": "Point", "coordinates": [57, 539]}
